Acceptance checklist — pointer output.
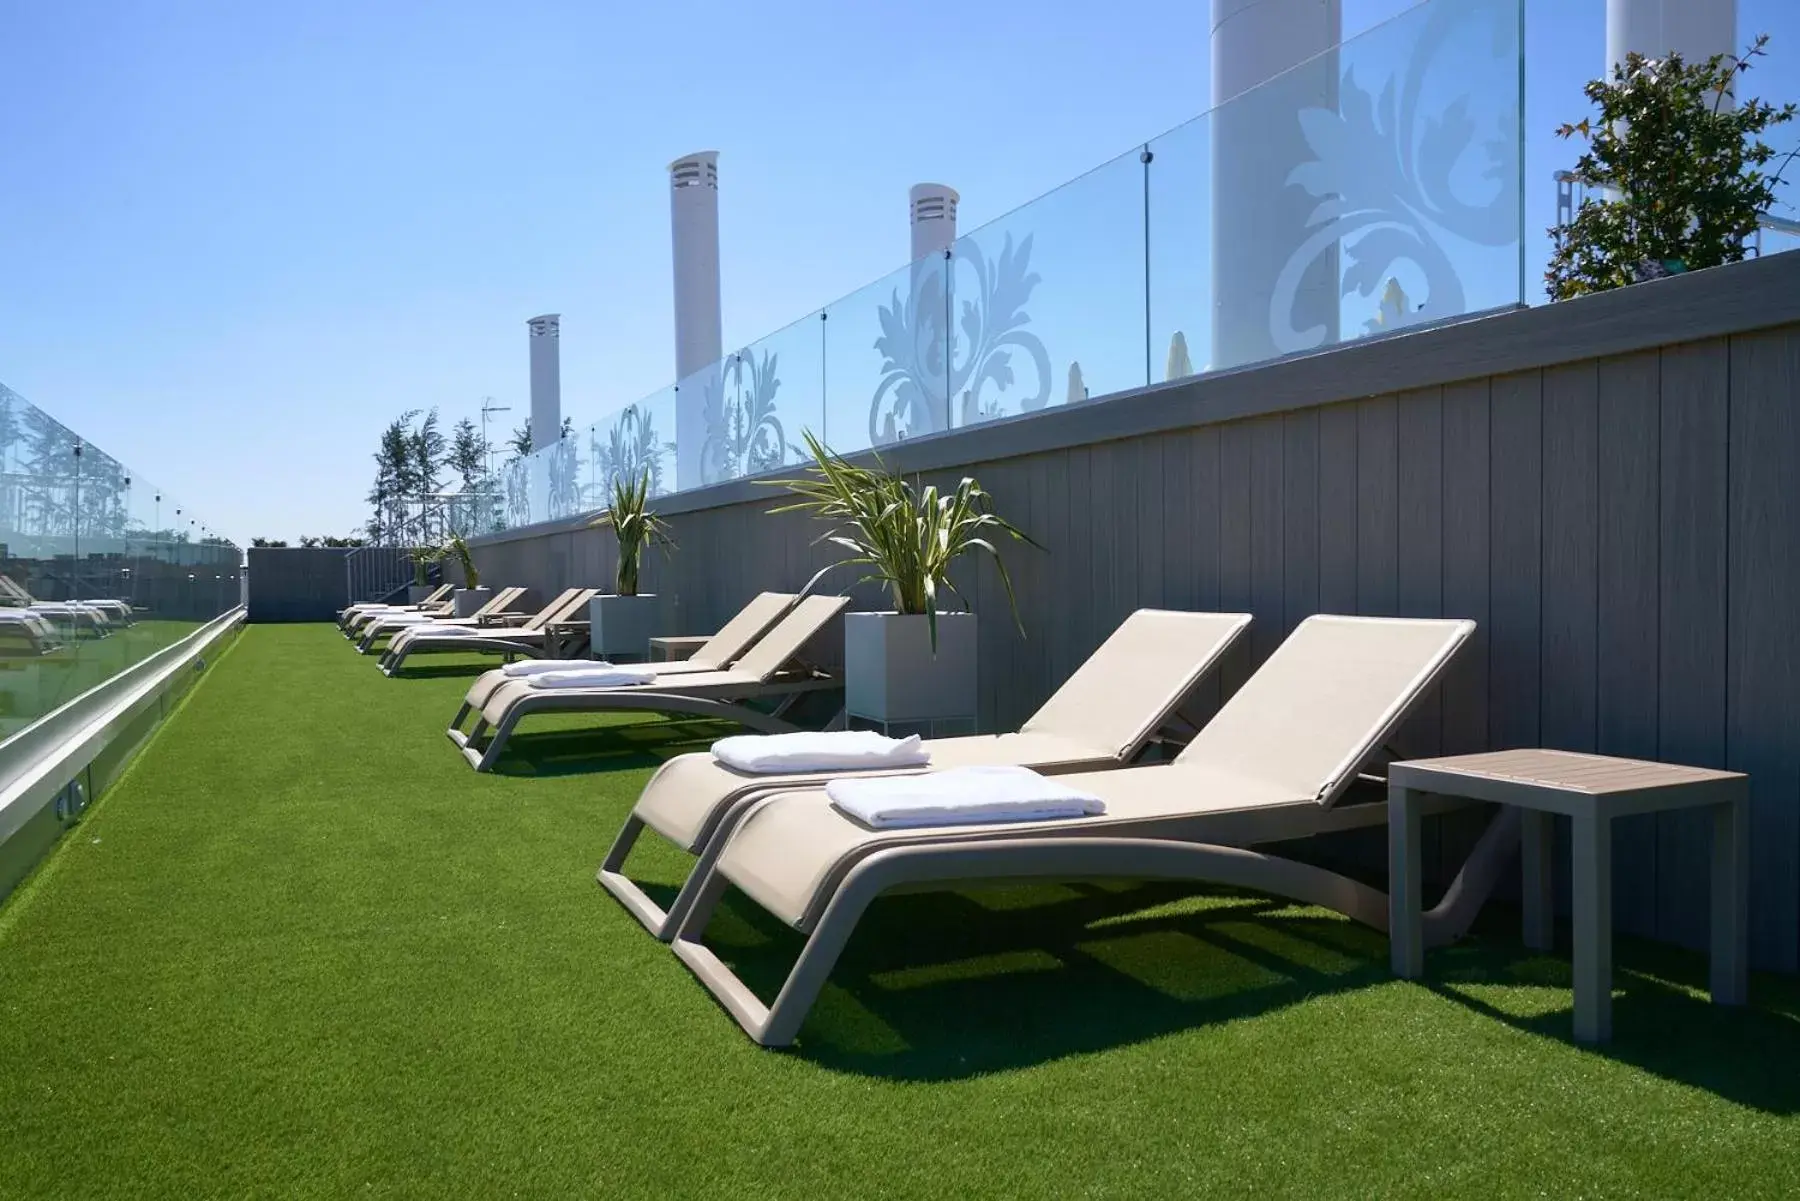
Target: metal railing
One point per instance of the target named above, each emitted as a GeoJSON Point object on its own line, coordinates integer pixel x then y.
{"type": "Point", "coordinates": [1571, 190]}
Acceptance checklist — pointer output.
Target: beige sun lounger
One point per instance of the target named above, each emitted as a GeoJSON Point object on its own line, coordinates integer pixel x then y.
{"type": "Point", "coordinates": [1102, 717]}
{"type": "Point", "coordinates": [771, 671]}
{"type": "Point", "coordinates": [353, 624]}
{"type": "Point", "coordinates": [387, 624]}
{"type": "Point", "coordinates": [1271, 765]}
{"type": "Point", "coordinates": [717, 653]}
{"type": "Point", "coordinates": [529, 640]}
{"type": "Point", "coordinates": [438, 596]}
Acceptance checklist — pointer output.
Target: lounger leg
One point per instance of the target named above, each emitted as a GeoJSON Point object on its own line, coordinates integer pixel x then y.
{"type": "Point", "coordinates": [1537, 831]}
{"type": "Point", "coordinates": [1406, 918]}
{"type": "Point", "coordinates": [1731, 902]}
{"type": "Point", "coordinates": [490, 754]}
{"type": "Point", "coordinates": [773, 1025]}
{"type": "Point", "coordinates": [637, 902]}
{"type": "Point", "coordinates": [1591, 882]}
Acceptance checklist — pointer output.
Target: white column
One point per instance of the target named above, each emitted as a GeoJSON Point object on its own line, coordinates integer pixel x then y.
{"type": "Point", "coordinates": [694, 224]}
{"type": "Point", "coordinates": [1695, 29]}
{"type": "Point", "coordinates": [1259, 221]}
{"type": "Point", "coordinates": [931, 213]}
{"type": "Point", "coordinates": [546, 379]}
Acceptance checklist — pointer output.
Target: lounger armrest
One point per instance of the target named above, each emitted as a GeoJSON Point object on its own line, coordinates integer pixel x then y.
{"type": "Point", "coordinates": [506, 619]}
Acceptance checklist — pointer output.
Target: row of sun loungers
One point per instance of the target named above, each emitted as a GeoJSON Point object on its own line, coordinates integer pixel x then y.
{"type": "Point", "coordinates": [1065, 796]}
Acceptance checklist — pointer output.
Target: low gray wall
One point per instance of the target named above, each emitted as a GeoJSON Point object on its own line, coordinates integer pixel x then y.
{"type": "Point", "coordinates": [1609, 487]}
{"type": "Point", "coordinates": [297, 583]}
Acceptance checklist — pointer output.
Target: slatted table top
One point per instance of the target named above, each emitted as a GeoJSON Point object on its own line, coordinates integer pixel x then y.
{"type": "Point", "coordinates": [1568, 771]}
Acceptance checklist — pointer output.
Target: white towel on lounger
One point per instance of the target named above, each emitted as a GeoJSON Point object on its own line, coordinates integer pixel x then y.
{"type": "Point", "coordinates": [807, 751]}
{"type": "Point", "coordinates": [427, 630]}
{"type": "Point", "coordinates": [960, 796]}
{"type": "Point", "coordinates": [537, 667]}
{"type": "Point", "coordinates": [593, 677]}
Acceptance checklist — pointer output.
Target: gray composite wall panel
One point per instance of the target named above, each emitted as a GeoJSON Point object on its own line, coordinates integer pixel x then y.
{"type": "Point", "coordinates": [1607, 486]}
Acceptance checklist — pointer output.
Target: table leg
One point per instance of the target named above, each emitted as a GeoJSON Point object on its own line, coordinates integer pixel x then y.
{"type": "Point", "coordinates": [1730, 980]}
{"type": "Point", "coordinates": [1591, 889]}
{"type": "Point", "coordinates": [1537, 843]}
{"type": "Point", "coordinates": [1406, 919]}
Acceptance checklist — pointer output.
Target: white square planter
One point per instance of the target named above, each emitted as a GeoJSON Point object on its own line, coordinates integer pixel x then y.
{"type": "Point", "coordinates": [416, 593]}
{"type": "Point", "coordinates": [621, 626]}
{"type": "Point", "coordinates": [467, 600]}
{"type": "Point", "coordinates": [892, 677]}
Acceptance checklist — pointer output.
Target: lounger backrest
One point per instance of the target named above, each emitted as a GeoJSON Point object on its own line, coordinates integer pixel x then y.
{"type": "Point", "coordinates": [736, 636]}
{"type": "Point", "coordinates": [1129, 686]}
{"type": "Point", "coordinates": [1325, 700]}
{"type": "Point", "coordinates": [436, 595]}
{"type": "Point", "coordinates": [777, 648]}
{"type": "Point", "coordinates": [499, 602]}
{"type": "Point", "coordinates": [553, 611]}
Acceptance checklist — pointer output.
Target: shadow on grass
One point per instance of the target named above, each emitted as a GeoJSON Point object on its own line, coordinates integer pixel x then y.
{"type": "Point", "coordinates": [1663, 1022]}
{"type": "Point", "coordinates": [569, 752]}
{"type": "Point", "coordinates": [949, 985]}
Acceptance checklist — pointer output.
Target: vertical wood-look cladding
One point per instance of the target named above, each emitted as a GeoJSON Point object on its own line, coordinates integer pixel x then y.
{"type": "Point", "coordinates": [1626, 532]}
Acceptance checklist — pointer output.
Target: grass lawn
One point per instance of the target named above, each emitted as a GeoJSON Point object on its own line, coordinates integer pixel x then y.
{"type": "Point", "coordinates": [302, 950]}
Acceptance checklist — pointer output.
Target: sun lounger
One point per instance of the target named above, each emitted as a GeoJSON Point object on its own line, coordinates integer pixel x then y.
{"type": "Point", "coordinates": [354, 624]}
{"type": "Point", "coordinates": [495, 612]}
{"type": "Point", "coordinates": [529, 639]}
{"type": "Point", "coordinates": [1102, 717]}
{"type": "Point", "coordinates": [436, 598]}
{"type": "Point", "coordinates": [1273, 764]}
{"type": "Point", "coordinates": [771, 671]}
{"type": "Point", "coordinates": [734, 638]}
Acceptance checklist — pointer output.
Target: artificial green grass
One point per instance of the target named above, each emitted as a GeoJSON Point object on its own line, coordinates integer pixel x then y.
{"type": "Point", "coordinates": [302, 950]}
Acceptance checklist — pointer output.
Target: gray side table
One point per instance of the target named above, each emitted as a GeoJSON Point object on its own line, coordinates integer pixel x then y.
{"type": "Point", "coordinates": [1590, 790]}
{"type": "Point", "coordinates": [676, 646]}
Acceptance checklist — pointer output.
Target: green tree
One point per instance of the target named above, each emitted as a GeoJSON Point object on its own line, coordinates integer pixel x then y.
{"type": "Point", "coordinates": [1677, 173]}
{"type": "Point", "coordinates": [468, 454]}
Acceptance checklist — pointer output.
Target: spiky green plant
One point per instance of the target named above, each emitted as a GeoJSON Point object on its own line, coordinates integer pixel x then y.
{"type": "Point", "coordinates": [459, 550]}
{"type": "Point", "coordinates": [635, 524]}
{"type": "Point", "coordinates": [906, 538]}
{"type": "Point", "coordinates": [422, 559]}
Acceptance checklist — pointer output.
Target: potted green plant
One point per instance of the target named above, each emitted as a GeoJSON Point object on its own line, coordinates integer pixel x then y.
{"type": "Point", "coordinates": [913, 665]}
{"type": "Point", "coordinates": [623, 623]}
{"type": "Point", "coordinates": [1678, 175]}
{"type": "Point", "coordinates": [422, 559]}
{"type": "Point", "coordinates": [471, 596]}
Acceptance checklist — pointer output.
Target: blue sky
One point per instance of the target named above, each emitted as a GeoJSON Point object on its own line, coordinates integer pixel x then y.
{"type": "Point", "coordinates": [236, 239]}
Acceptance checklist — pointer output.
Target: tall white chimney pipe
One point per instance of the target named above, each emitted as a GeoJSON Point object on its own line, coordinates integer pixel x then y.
{"type": "Point", "coordinates": [694, 224]}
{"type": "Point", "coordinates": [1695, 29]}
{"type": "Point", "coordinates": [546, 379]}
{"type": "Point", "coordinates": [933, 212]}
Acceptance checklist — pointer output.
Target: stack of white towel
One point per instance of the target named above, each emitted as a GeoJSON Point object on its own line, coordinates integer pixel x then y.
{"type": "Point", "coordinates": [960, 796]}
{"type": "Point", "coordinates": [595, 675]}
{"type": "Point", "coordinates": [805, 751]}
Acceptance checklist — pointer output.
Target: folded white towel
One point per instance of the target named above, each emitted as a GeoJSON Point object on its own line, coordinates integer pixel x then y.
{"type": "Point", "coordinates": [806, 751]}
{"type": "Point", "coordinates": [960, 796]}
{"type": "Point", "coordinates": [593, 677]}
{"type": "Point", "coordinates": [428, 630]}
{"type": "Point", "coordinates": [537, 667]}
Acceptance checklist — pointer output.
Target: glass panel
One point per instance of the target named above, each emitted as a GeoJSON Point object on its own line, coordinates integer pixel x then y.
{"type": "Point", "coordinates": [1372, 187]}
{"type": "Point", "coordinates": [884, 348]}
{"type": "Point", "coordinates": [1049, 299]}
{"type": "Point", "coordinates": [634, 442]}
{"type": "Point", "coordinates": [99, 567]}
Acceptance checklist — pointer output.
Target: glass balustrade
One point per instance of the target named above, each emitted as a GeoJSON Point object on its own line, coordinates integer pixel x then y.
{"type": "Point", "coordinates": [1360, 191]}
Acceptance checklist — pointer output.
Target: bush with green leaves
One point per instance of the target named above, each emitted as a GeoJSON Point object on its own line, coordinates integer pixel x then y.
{"type": "Point", "coordinates": [905, 537]}
{"type": "Point", "coordinates": [1678, 173]}
{"type": "Point", "coordinates": [636, 526]}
